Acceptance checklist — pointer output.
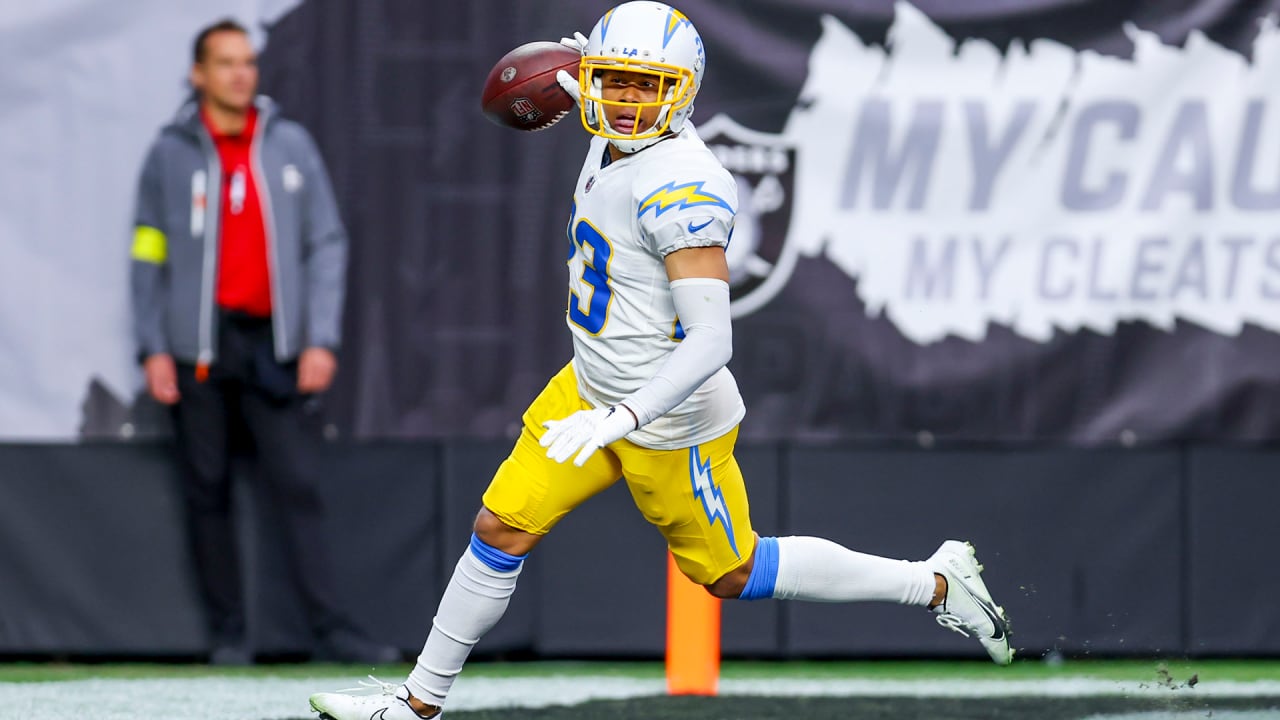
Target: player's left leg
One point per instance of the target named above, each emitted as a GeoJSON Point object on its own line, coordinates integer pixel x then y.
{"type": "Point", "coordinates": [698, 499]}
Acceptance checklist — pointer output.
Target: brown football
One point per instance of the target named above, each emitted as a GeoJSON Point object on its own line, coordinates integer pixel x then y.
{"type": "Point", "coordinates": [521, 91]}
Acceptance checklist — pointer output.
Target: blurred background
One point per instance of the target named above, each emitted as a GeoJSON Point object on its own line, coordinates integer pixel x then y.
{"type": "Point", "coordinates": [1004, 270]}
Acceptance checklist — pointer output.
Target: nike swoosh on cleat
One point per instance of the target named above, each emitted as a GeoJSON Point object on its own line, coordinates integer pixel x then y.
{"type": "Point", "coordinates": [996, 623]}
{"type": "Point", "coordinates": [695, 228]}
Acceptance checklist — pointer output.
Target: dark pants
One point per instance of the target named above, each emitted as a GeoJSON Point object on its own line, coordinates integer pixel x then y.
{"type": "Point", "coordinates": [248, 393]}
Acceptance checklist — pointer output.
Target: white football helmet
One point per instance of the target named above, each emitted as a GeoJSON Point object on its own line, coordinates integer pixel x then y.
{"type": "Point", "coordinates": [643, 37]}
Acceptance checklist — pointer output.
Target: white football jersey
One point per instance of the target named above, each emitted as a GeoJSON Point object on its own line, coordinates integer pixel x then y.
{"type": "Point", "coordinates": [627, 217]}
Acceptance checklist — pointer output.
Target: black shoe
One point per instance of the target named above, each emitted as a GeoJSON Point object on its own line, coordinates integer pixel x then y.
{"type": "Point", "coordinates": [347, 647]}
{"type": "Point", "coordinates": [231, 655]}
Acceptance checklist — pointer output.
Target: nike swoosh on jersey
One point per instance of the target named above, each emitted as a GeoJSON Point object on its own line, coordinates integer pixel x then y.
{"type": "Point", "coordinates": [695, 228]}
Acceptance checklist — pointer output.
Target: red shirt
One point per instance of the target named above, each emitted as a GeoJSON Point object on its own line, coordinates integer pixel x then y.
{"type": "Point", "coordinates": [244, 277]}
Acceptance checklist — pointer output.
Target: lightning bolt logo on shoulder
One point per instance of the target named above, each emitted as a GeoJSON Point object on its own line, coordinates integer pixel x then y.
{"type": "Point", "coordinates": [681, 196]}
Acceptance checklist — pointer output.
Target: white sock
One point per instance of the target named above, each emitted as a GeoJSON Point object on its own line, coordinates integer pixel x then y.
{"type": "Point", "coordinates": [473, 603]}
{"type": "Point", "coordinates": [811, 568]}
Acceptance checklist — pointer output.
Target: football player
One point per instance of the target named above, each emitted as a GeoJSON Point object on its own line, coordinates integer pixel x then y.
{"type": "Point", "coordinates": [647, 396]}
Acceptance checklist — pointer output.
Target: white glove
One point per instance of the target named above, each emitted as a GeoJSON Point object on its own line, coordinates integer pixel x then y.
{"type": "Point", "coordinates": [585, 432]}
{"type": "Point", "coordinates": [577, 42]}
{"type": "Point", "coordinates": [568, 82]}
{"type": "Point", "coordinates": [570, 85]}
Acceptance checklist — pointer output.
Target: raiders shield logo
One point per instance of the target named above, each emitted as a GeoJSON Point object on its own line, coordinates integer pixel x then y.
{"type": "Point", "coordinates": [760, 258]}
{"type": "Point", "coordinates": [523, 108]}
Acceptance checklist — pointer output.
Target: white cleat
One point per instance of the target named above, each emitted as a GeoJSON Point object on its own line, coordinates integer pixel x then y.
{"type": "Point", "coordinates": [375, 700]}
{"type": "Point", "coordinates": [968, 607]}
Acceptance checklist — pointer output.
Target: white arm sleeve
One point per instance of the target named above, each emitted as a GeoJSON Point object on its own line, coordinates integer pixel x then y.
{"type": "Point", "coordinates": [702, 304]}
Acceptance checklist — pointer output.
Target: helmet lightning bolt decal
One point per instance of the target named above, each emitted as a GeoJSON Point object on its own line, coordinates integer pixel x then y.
{"type": "Point", "coordinates": [712, 498]}
{"type": "Point", "coordinates": [674, 20]}
{"type": "Point", "coordinates": [604, 24]}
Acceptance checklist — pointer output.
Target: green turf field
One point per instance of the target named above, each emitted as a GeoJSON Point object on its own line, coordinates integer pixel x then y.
{"type": "Point", "coordinates": [1072, 690]}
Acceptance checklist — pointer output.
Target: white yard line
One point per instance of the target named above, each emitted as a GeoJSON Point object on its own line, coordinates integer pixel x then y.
{"type": "Point", "coordinates": [273, 699]}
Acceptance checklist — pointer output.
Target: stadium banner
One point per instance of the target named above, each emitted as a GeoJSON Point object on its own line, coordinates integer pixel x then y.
{"type": "Point", "coordinates": [1045, 222]}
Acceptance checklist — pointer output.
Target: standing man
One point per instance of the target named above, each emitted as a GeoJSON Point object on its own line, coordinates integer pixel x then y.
{"type": "Point", "coordinates": [239, 264]}
{"type": "Point", "coordinates": [647, 396]}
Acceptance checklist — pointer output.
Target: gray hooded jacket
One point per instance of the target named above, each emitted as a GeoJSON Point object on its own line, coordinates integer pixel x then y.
{"type": "Point", "coordinates": [173, 273]}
